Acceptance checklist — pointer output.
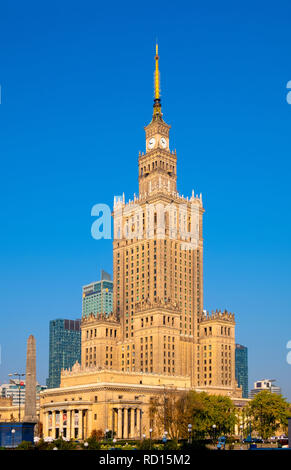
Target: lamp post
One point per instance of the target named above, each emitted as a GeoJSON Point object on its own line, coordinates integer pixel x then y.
{"type": "Point", "coordinates": [106, 434]}
{"type": "Point", "coordinates": [86, 445]}
{"type": "Point", "coordinates": [13, 432]}
{"type": "Point", "coordinates": [214, 431]}
{"type": "Point", "coordinates": [150, 430]}
{"type": "Point", "coordinates": [241, 432]}
{"type": "Point", "coordinates": [17, 374]}
{"type": "Point", "coordinates": [189, 433]}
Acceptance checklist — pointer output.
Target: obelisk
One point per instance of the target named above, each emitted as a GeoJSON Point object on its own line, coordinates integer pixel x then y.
{"type": "Point", "coordinates": [30, 382]}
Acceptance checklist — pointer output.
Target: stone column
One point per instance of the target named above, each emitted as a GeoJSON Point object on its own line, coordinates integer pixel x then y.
{"type": "Point", "coordinates": [113, 422]}
{"type": "Point", "coordinates": [54, 425]}
{"type": "Point", "coordinates": [30, 382]}
{"type": "Point", "coordinates": [138, 423]}
{"type": "Point", "coordinates": [119, 425]}
{"type": "Point", "coordinates": [125, 425]}
{"type": "Point", "coordinates": [90, 424]}
{"type": "Point", "coordinates": [80, 430]}
{"type": "Point", "coordinates": [61, 423]}
{"type": "Point", "coordinates": [73, 424]}
{"type": "Point", "coordinates": [132, 427]}
{"type": "Point", "coordinates": [69, 424]}
{"type": "Point", "coordinates": [85, 425]}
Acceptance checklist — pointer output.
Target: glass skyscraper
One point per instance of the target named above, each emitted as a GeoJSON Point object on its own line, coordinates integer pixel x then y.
{"type": "Point", "coordinates": [241, 369]}
{"type": "Point", "coordinates": [98, 296]}
{"type": "Point", "coordinates": [64, 348]}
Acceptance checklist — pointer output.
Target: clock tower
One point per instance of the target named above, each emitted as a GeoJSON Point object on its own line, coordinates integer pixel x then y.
{"type": "Point", "coordinates": [157, 166]}
{"type": "Point", "coordinates": [158, 262]}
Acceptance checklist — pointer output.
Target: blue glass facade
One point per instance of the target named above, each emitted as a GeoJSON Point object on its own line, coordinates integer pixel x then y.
{"type": "Point", "coordinates": [98, 297]}
{"type": "Point", "coordinates": [64, 348]}
{"type": "Point", "coordinates": [241, 368]}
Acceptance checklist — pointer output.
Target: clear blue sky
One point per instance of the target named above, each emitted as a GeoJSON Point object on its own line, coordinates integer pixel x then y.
{"type": "Point", "coordinates": [76, 81]}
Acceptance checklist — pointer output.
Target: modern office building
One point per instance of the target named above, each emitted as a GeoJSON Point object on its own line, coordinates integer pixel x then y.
{"type": "Point", "coordinates": [64, 348]}
{"type": "Point", "coordinates": [16, 390]}
{"type": "Point", "coordinates": [241, 368]}
{"type": "Point", "coordinates": [98, 296]}
{"type": "Point", "coordinates": [265, 384]}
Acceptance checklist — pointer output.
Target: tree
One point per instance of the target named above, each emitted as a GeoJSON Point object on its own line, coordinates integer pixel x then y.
{"type": "Point", "coordinates": [175, 411]}
{"type": "Point", "coordinates": [97, 434]}
{"type": "Point", "coordinates": [219, 411]}
{"type": "Point", "coordinates": [269, 412]}
{"type": "Point", "coordinates": [165, 414]}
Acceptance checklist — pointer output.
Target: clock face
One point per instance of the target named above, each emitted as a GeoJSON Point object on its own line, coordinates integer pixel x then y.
{"type": "Point", "coordinates": [163, 142]}
{"type": "Point", "coordinates": [151, 143]}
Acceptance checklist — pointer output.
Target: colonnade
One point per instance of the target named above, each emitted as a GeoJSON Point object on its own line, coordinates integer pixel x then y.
{"type": "Point", "coordinates": [127, 422]}
{"type": "Point", "coordinates": [71, 423]}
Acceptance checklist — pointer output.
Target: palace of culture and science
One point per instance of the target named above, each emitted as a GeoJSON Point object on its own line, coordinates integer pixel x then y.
{"type": "Point", "coordinates": [158, 337]}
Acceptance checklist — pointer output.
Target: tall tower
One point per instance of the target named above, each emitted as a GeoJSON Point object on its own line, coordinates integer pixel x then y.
{"type": "Point", "coordinates": [30, 386]}
{"type": "Point", "coordinates": [157, 167]}
{"type": "Point", "coordinates": [158, 261]}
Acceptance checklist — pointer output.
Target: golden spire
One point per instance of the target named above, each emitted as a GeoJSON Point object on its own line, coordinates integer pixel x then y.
{"type": "Point", "coordinates": [157, 100]}
{"type": "Point", "coordinates": [157, 75]}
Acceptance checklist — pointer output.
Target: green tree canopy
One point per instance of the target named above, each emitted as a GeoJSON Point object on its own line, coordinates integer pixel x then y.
{"type": "Point", "coordinates": [201, 410]}
{"type": "Point", "coordinates": [269, 412]}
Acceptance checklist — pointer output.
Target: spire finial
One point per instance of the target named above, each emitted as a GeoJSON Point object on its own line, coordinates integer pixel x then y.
{"type": "Point", "coordinates": [157, 99]}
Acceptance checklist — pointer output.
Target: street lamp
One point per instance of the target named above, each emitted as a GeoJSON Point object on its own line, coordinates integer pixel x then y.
{"type": "Point", "coordinates": [13, 432]}
{"type": "Point", "coordinates": [241, 432]}
{"type": "Point", "coordinates": [214, 430]}
{"type": "Point", "coordinates": [17, 374]}
{"type": "Point", "coordinates": [86, 445]}
{"type": "Point", "coordinates": [150, 430]}
{"type": "Point", "coordinates": [106, 434]}
{"type": "Point", "coordinates": [189, 433]}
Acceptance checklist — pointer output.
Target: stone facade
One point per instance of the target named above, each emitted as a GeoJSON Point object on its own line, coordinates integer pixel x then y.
{"type": "Point", "coordinates": [30, 387]}
{"type": "Point", "coordinates": [158, 337]}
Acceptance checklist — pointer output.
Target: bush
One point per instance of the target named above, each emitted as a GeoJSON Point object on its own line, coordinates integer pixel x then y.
{"type": "Point", "coordinates": [172, 445]}
{"type": "Point", "coordinates": [25, 445]}
{"type": "Point", "coordinates": [61, 444]}
{"type": "Point", "coordinates": [145, 444]}
{"type": "Point", "coordinates": [195, 445]}
{"type": "Point", "coordinates": [93, 443]}
{"type": "Point", "coordinates": [42, 445]}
